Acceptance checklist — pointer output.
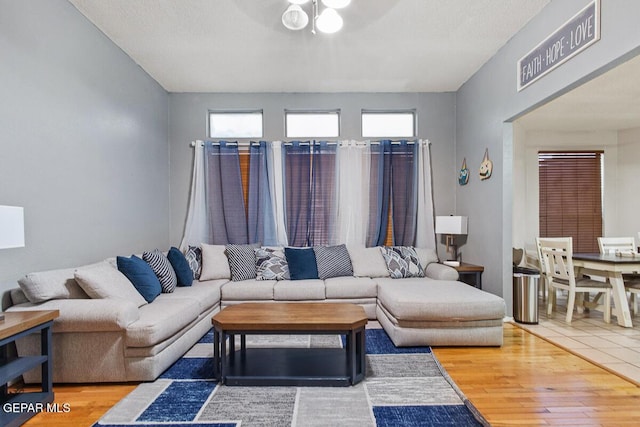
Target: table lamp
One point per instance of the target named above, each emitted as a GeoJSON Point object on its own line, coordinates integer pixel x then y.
{"type": "Point", "coordinates": [451, 226]}
{"type": "Point", "coordinates": [11, 229]}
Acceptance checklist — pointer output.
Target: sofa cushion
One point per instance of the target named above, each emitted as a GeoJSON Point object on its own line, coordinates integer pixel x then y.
{"type": "Point", "coordinates": [180, 266]}
{"type": "Point", "coordinates": [101, 280]}
{"type": "Point", "coordinates": [52, 284]}
{"type": "Point", "coordinates": [193, 256]}
{"type": "Point", "coordinates": [350, 287]}
{"type": "Point", "coordinates": [215, 264]}
{"type": "Point", "coordinates": [160, 320]}
{"type": "Point", "coordinates": [402, 262]}
{"type": "Point", "coordinates": [333, 261]}
{"type": "Point", "coordinates": [302, 263]}
{"type": "Point", "coordinates": [271, 264]}
{"type": "Point", "coordinates": [437, 300]}
{"type": "Point", "coordinates": [248, 290]}
{"type": "Point", "coordinates": [242, 261]}
{"type": "Point", "coordinates": [426, 256]}
{"type": "Point", "coordinates": [141, 275]}
{"type": "Point", "coordinates": [367, 262]}
{"type": "Point", "coordinates": [162, 268]}
{"type": "Point", "coordinates": [299, 290]}
{"type": "Point", "coordinates": [207, 294]}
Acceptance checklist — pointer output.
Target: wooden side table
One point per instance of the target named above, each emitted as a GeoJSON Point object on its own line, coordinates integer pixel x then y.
{"type": "Point", "coordinates": [18, 408]}
{"type": "Point", "coordinates": [470, 274]}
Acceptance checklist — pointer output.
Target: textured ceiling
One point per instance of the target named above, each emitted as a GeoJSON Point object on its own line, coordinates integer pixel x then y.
{"type": "Point", "coordinates": [241, 45]}
{"type": "Point", "coordinates": [608, 102]}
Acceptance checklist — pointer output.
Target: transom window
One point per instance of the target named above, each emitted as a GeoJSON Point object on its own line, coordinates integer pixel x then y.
{"type": "Point", "coordinates": [312, 124]}
{"type": "Point", "coordinates": [391, 124]}
{"type": "Point", "coordinates": [235, 124]}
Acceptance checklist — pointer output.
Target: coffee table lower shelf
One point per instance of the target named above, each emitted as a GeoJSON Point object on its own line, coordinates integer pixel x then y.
{"type": "Point", "coordinates": [321, 367]}
{"type": "Point", "coordinates": [288, 367]}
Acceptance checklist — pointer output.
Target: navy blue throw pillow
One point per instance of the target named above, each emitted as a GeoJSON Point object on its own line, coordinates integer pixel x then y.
{"type": "Point", "coordinates": [302, 263]}
{"type": "Point", "coordinates": [141, 275]}
{"type": "Point", "coordinates": [180, 266]}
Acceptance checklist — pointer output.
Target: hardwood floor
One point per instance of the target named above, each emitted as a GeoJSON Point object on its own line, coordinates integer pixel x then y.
{"type": "Point", "coordinates": [528, 381]}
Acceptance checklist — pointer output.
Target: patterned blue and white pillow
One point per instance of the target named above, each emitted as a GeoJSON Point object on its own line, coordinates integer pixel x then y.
{"type": "Point", "coordinates": [242, 261]}
{"type": "Point", "coordinates": [162, 268]}
{"type": "Point", "coordinates": [402, 261]}
{"type": "Point", "coordinates": [194, 258]}
{"type": "Point", "coordinates": [333, 261]}
{"type": "Point", "coordinates": [271, 264]}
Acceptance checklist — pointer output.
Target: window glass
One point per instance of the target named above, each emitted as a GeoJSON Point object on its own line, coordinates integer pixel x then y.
{"type": "Point", "coordinates": [388, 124]}
{"type": "Point", "coordinates": [312, 125]}
{"type": "Point", "coordinates": [242, 124]}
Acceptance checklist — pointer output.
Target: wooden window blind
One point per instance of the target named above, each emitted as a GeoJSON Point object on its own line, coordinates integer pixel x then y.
{"type": "Point", "coordinates": [571, 197]}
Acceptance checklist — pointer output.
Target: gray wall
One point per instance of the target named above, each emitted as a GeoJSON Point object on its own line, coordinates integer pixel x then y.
{"type": "Point", "coordinates": [490, 98]}
{"type": "Point", "coordinates": [188, 118]}
{"type": "Point", "coordinates": [84, 141]}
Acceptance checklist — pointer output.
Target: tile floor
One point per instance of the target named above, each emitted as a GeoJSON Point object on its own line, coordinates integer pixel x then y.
{"type": "Point", "coordinates": [613, 347]}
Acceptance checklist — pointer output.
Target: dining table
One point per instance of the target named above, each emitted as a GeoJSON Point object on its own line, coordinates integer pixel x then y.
{"type": "Point", "coordinates": [612, 266]}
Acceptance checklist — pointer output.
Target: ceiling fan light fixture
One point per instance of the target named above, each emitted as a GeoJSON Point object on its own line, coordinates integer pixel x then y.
{"type": "Point", "coordinates": [335, 4]}
{"type": "Point", "coordinates": [294, 18]}
{"type": "Point", "coordinates": [329, 21]}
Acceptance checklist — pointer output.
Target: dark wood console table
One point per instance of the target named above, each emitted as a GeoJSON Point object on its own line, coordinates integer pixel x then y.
{"type": "Point", "coordinates": [18, 408]}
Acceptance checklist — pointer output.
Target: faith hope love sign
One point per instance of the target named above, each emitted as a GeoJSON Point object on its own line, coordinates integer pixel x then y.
{"type": "Point", "coordinates": [574, 36]}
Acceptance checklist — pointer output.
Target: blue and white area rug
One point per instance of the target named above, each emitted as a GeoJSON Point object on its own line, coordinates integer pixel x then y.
{"type": "Point", "coordinates": [403, 387]}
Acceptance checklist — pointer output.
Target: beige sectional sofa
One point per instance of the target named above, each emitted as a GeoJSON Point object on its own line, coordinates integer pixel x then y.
{"type": "Point", "coordinates": [113, 340]}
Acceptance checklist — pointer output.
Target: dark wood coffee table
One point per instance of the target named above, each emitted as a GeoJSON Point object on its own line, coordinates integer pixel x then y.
{"type": "Point", "coordinates": [289, 366]}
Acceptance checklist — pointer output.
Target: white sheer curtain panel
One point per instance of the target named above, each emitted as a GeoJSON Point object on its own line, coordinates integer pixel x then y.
{"type": "Point", "coordinates": [196, 229]}
{"type": "Point", "coordinates": [425, 234]}
{"type": "Point", "coordinates": [353, 163]}
{"type": "Point", "coordinates": [276, 185]}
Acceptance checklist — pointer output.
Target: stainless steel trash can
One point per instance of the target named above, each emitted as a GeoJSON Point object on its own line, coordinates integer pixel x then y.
{"type": "Point", "coordinates": [525, 295]}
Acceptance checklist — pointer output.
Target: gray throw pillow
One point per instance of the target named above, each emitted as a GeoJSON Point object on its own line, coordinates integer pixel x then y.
{"type": "Point", "coordinates": [333, 261]}
{"type": "Point", "coordinates": [271, 264]}
{"type": "Point", "coordinates": [162, 268]}
{"type": "Point", "coordinates": [402, 262]}
{"type": "Point", "coordinates": [194, 258]}
{"type": "Point", "coordinates": [242, 261]}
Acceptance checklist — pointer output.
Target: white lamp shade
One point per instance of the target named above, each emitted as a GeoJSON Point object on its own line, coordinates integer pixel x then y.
{"type": "Point", "coordinates": [451, 224]}
{"type": "Point", "coordinates": [11, 227]}
{"type": "Point", "coordinates": [329, 21]}
{"type": "Point", "coordinates": [294, 18]}
{"type": "Point", "coordinates": [336, 4]}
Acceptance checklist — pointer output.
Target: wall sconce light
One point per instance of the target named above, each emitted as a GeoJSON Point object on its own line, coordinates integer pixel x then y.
{"type": "Point", "coordinates": [451, 226]}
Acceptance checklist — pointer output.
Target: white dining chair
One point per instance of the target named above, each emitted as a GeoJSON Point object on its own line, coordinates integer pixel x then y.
{"type": "Point", "coordinates": [538, 263]}
{"type": "Point", "coordinates": [557, 261]}
{"type": "Point", "coordinates": [614, 245]}
{"type": "Point", "coordinates": [611, 245]}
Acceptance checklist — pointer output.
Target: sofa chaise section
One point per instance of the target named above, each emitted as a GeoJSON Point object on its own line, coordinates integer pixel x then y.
{"type": "Point", "coordinates": [422, 311]}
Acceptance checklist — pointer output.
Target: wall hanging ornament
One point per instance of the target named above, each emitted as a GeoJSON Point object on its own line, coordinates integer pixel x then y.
{"type": "Point", "coordinates": [463, 176]}
{"type": "Point", "coordinates": [486, 167]}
